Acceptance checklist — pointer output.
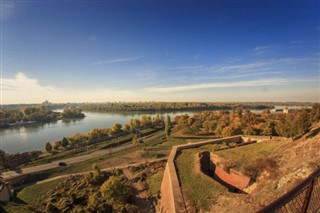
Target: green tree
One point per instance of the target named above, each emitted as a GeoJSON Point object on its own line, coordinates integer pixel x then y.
{"type": "Point", "coordinates": [64, 142]}
{"type": "Point", "coordinates": [168, 127]}
{"type": "Point", "coordinates": [48, 147]}
{"type": "Point", "coordinates": [115, 192]}
{"type": "Point", "coordinates": [2, 158]}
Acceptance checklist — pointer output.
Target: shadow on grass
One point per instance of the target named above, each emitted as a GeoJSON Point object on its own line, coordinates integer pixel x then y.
{"type": "Point", "coordinates": [2, 210]}
{"type": "Point", "coordinates": [18, 201]}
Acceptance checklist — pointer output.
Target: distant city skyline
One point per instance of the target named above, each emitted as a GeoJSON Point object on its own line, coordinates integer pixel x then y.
{"type": "Point", "coordinates": [82, 51]}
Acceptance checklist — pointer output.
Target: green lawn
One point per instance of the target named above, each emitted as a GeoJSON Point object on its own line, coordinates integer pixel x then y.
{"type": "Point", "coordinates": [30, 194]}
{"type": "Point", "coordinates": [200, 192]}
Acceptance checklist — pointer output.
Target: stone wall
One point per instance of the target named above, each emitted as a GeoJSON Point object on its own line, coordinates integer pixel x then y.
{"type": "Point", "coordinates": [233, 178]}
{"type": "Point", "coordinates": [171, 196]}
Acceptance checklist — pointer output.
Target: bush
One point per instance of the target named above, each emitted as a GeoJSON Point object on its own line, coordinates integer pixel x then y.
{"type": "Point", "coordinates": [260, 165]}
{"type": "Point", "coordinates": [115, 191]}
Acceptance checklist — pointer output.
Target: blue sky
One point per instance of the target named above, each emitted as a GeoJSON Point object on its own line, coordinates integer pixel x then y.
{"type": "Point", "coordinates": [82, 51]}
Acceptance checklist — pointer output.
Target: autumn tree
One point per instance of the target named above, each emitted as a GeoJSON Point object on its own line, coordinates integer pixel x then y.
{"type": "Point", "coordinates": [134, 124]}
{"type": "Point", "coordinates": [56, 144]}
{"type": "Point", "coordinates": [116, 129]}
{"type": "Point", "coordinates": [315, 112]}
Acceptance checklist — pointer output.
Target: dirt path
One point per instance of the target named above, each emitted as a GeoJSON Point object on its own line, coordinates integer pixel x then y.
{"type": "Point", "coordinates": [140, 194]}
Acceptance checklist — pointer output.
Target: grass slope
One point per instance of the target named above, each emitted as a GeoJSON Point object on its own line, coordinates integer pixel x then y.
{"type": "Point", "coordinates": [199, 192]}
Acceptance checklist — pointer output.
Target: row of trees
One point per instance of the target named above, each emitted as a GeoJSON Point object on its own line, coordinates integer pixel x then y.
{"type": "Point", "coordinates": [39, 114]}
{"type": "Point", "coordinates": [168, 106]}
{"type": "Point", "coordinates": [239, 121]}
{"type": "Point", "coordinates": [82, 139]}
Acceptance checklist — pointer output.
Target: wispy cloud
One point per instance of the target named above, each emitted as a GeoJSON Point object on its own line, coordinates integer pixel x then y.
{"type": "Point", "coordinates": [261, 50]}
{"type": "Point", "coordinates": [117, 60]}
{"type": "Point", "coordinates": [7, 9]}
{"type": "Point", "coordinates": [235, 84]}
{"type": "Point", "coordinates": [187, 67]}
{"type": "Point", "coordinates": [196, 56]}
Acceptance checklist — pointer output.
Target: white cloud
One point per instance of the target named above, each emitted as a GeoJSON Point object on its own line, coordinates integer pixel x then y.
{"type": "Point", "coordinates": [117, 60]}
{"type": "Point", "coordinates": [261, 50]}
{"type": "Point", "coordinates": [235, 84]}
{"type": "Point", "coordinates": [22, 89]}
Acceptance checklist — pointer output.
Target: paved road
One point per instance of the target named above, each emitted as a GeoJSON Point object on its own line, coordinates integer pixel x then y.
{"type": "Point", "coordinates": [68, 161]}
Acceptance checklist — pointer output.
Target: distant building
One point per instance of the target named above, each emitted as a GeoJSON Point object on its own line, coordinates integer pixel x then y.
{"type": "Point", "coordinates": [285, 110]}
{"type": "Point", "coordinates": [5, 191]}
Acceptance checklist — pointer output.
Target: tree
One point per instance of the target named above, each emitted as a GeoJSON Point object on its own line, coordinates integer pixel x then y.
{"type": "Point", "coordinates": [168, 127]}
{"type": "Point", "coordinates": [2, 158]}
{"type": "Point", "coordinates": [134, 124]}
{"type": "Point", "coordinates": [114, 191]}
{"type": "Point", "coordinates": [48, 147]}
{"type": "Point", "coordinates": [116, 128]}
{"type": "Point", "coordinates": [126, 128]}
{"type": "Point", "coordinates": [315, 112]}
{"type": "Point", "coordinates": [64, 142]}
{"type": "Point", "coordinates": [145, 121]}
{"type": "Point", "coordinates": [56, 145]}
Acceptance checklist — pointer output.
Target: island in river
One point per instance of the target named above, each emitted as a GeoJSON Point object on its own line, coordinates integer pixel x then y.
{"type": "Point", "coordinates": [36, 114]}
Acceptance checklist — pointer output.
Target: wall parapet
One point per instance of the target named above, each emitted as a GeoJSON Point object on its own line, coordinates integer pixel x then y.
{"type": "Point", "coordinates": [171, 195]}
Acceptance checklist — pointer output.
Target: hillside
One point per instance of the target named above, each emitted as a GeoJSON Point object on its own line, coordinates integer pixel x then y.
{"type": "Point", "coordinates": [293, 162]}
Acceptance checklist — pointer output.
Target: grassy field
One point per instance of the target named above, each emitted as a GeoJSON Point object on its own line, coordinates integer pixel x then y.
{"type": "Point", "coordinates": [11, 207]}
{"type": "Point", "coordinates": [126, 139]}
{"type": "Point", "coordinates": [154, 183]}
{"type": "Point", "coordinates": [85, 166]}
{"type": "Point", "coordinates": [30, 194]}
{"type": "Point", "coordinates": [246, 155]}
{"type": "Point", "coordinates": [199, 192]}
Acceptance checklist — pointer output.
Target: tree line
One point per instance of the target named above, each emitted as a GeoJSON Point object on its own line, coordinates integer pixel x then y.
{"type": "Point", "coordinates": [95, 135]}
{"type": "Point", "coordinates": [239, 121]}
{"type": "Point", "coordinates": [167, 106]}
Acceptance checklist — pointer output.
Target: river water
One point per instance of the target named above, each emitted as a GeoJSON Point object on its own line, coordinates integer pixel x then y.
{"type": "Point", "coordinates": [34, 137]}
